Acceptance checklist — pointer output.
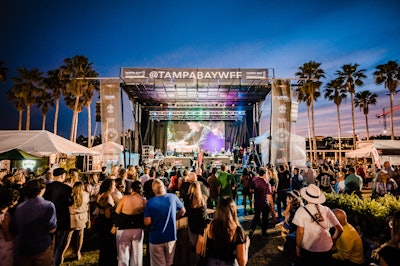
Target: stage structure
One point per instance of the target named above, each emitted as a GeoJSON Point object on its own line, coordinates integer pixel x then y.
{"type": "Point", "coordinates": [189, 110]}
{"type": "Point", "coordinates": [177, 107]}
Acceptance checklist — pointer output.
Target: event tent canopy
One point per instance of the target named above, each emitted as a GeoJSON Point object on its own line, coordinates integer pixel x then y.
{"type": "Point", "coordinates": [17, 154]}
{"type": "Point", "coordinates": [384, 147]}
{"type": "Point", "coordinates": [39, 143]}
{"type": "Point", "coordinates": [109, 147]}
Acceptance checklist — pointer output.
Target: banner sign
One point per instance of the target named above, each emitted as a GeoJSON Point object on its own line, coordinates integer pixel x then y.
{"type": "Point", "coordinates": [144, 75]}
{"type": "Point", "coordinates": [280, 121]}
{"type": "Point", "coordinates": [110, 95]}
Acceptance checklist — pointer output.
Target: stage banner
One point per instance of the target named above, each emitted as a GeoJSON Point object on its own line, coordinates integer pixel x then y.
{"type": "Point", "coordinates": [280, 121]}
{"type": "Point", "coordinates": [220, 75]}
{"type": "Point", "coordinates": [110, 100]}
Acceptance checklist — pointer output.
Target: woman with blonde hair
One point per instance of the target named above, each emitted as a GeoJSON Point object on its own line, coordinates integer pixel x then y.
{"type": "Point", "coordinates": [196, 209]}
{"type": "Point", "coordinates": [226, 242]}
{"type": "Point", "coordinates": [80, 216]}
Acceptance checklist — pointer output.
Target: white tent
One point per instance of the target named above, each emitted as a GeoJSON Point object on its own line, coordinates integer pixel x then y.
{"type": "Point", "coordinates": [297, 155]}
{"type": "Point", "coordinates": [109, 147]}
{"type": "Point", "coordinates": [40, 143]}
{"type": "Point", "coordinates": [378, 150]}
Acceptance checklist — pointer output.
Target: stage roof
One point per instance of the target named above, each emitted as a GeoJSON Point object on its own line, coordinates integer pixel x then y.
{"type": "Point", "coordinates": [167, 88]}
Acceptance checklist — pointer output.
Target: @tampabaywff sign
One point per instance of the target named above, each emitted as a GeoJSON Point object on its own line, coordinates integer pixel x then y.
{"type": "Point", "coordinates": [193, 74]}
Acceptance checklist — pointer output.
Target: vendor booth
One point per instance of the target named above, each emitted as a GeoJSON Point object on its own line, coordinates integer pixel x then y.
{"type": "Point", "coordinates": [42, 143]}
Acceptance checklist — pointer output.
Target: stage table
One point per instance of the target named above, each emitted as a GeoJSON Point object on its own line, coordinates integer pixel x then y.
{"type": "Point", "coordinates": [217, 160]}
{"type": "Point", "coordinates": [179, 161]}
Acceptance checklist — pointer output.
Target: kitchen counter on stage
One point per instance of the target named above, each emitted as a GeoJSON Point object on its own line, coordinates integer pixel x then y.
{"type": "Point", "coordinates": [179, 161]}
{"type": "Point", "coordinates": [217, 160]}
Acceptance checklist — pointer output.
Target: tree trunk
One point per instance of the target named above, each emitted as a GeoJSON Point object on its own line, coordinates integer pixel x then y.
{"type": "Point", "coordinates": [20, 119]}
{"type": "Point", "coordinates": [352, 121]}
{"type": "Point", "coordinates": [28, 117]}
{"type": "Point", "coordinates": [313, 131]}
{"type": "Point", "coordinates": [366, 125]}
{"type": "Point", "coordinates": [340, 136]}
{"type": "Point", "coordinates": [76, 126]}
{"type": "Point", "coordinates": [56, 115]}
{"type": "Point", "coordinates": [89, 125]}
{"type": "Point", "coordinates": [44, 122]}
{"type": "Point", "coordinates": [391, 117]}
{"type": "Point", "coordinates": [74, 119]}
{"type": "Point", "coordinates": [309, 134]}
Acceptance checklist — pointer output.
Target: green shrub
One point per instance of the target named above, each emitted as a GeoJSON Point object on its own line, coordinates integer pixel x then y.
{"type": "Point", "coordinates": [369, 214]}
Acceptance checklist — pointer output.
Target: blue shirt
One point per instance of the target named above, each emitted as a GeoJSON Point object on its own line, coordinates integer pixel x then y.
{"type": "Point", "coordinates": [162, 211]}
{"type": "Point", "coordinates": [32, 221]}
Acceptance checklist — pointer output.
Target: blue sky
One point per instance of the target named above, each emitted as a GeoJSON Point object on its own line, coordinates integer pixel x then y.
{"type": "Point", "coordinates": [206, 34]}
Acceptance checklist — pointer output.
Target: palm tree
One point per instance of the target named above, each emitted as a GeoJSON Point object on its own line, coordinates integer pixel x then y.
{"type": "Point", "coordinates": [389, 75]}
{"type": "Point", "coordinates": [27, 85]}
{"type": "Point", "coordinates": [77, 69]}
{"type": "Point", "coordinates": [44, 101]}
{"type": "Point", "coordinates": [310, 73]}
{"type": "Point", "coordinates": [336, 93]}
{"type": "Point", "coordinates": [55, 82]}
{"type": "Point", "coordinates": [364, 99]}
{"type": "Point", "coordinates": [19, 103]}
{"type": "Point", "coordinates": [3, 72]}
{"type": "Point", "coordinates": [352, 77]}
{"type": "Point", "coordinates": [88, 97]}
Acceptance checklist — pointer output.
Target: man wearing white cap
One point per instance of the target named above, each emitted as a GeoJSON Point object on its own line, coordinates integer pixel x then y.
{"type": "Point", "coordinates": [313, 240]}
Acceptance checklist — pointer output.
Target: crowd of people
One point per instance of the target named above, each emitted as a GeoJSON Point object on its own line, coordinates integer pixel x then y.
{"type": "Point", "coordinates": [41, 214]}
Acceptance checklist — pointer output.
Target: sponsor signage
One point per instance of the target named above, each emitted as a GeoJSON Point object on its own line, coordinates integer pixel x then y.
{"type": "Point", "coordinates": [110, 110]}
{"type": "Point", "coordinates": [174, 74]}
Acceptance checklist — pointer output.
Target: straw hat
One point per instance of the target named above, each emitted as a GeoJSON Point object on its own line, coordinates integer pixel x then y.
{"type": "Point", "coordinates": [312, 194]}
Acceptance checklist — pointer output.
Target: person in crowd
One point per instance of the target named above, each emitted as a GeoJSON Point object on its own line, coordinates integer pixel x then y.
{"type": "Point", "coordinates": [129, 221]}
{"type": "Point", "coordinates": [79, 215]}
{"type": "Point", "coordinates": [145, 176]}
{"type": "Point", "coordinates": [388, 168]}
{"type": "Point", "coordinates": [103, 175]}
{"type": "Point", "coordinates": [119, 191]}
{"type": "Point", "coordinates": [184, 184]}
{"type": "Point", "coordinates": [297, 179]}
{"type": "Point", "coordinates": [261, 189]}
{"type": "Point", "coordinates": [175, 176]}
{"type": "Point", "coordinates": [245, 179]}
{"type": "Point", "coordinates": [385, 184]}
{"type": "Point", "coordinates": [288, 228]}
{"type": "Point", "coordinates": [215, 188]}
{"type": "Point", "coordinates": [273, 181]}
{"type": "Point", "coordinates": [61, 195]}
{"type": "Point", "coordinates": [104, 223]}
{"type": "Point", "coordinates": [284, 181]}
{"type": "Point", "coordinates": [348, 249]}
{"type": "Point", "coordinates": [227, 181]}
{"type": "Point", "coordinates": [339, 185]}
{"type": "Point", "coordinates": [196, 210]}
{"type": "Point", "coordinates": [200, 177]}
{"type": "Point", "coordinates": [33, 229]}
{"type": "Point", "coordinates": [72, 177]}
{"type": "Point", "coordinates": [226, 240]}
{"type": "Point", "coordinates": [132, 174]}
{"type": "Point", "coordinates": [114, 171]}
{"type": "Point", "coordinates": [148, 185]}
{"type": "Point", "coordinates": [233, 172]}
{"type": "Point", "coordinates": [325, 180]}
{"type": "Point", "coordinates": [184, 191]}
{"type": "Point", "coordinates": [362, 172]}
{"type": "Point", "coordinates": [8, 199]}
{"type": "Point", "coordinates": [313, 239]}
{"type": "Point", "coordinates": [93, 188]}
{"type": "Point", "coordinates": [389, 253]}
{"type": "Point", "coordinates": [353, 183]}
{"type": "Point", "coordinates": [309, 176]}
{"type": "Point", "coordinates": [160, 215]}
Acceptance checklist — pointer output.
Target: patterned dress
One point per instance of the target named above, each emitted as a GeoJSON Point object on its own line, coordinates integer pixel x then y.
{"type": "Point", "coordinates": [6, 247]}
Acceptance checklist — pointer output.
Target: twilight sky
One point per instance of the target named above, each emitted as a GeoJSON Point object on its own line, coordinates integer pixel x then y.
{"type": "Point", "coordinates": [205, 34]}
